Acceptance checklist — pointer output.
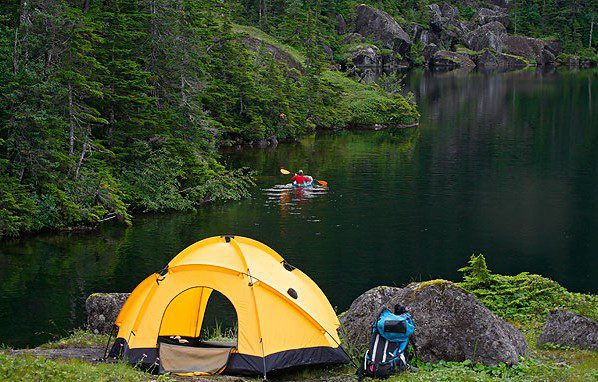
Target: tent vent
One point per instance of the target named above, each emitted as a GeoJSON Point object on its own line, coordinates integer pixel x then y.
{"type": "Point", "coordinates": [293, 293]}
{"type": "Point", "coordinates": [287, 266]}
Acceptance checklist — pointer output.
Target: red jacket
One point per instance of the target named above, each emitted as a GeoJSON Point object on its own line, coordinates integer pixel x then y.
{"type": "Point", "coordinates": [300, 179]}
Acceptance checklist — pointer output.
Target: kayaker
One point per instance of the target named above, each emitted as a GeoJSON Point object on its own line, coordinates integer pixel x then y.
{"type": "Point", "coordinates": [299, 178]}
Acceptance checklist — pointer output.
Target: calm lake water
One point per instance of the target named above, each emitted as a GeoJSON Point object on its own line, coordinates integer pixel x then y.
{"type": "Point", "coordinates": [503, 164]}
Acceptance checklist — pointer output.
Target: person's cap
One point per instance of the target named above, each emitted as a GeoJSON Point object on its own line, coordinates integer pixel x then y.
{"type": "Point", "coordinates": [300, 171]}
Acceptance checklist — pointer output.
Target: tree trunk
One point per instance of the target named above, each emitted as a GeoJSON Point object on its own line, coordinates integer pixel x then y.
{"type": "Point", "coordinates": [15, 52]}
{"type": "Point", "coordinates": [591, 32]}
{"type": "Point", "coordinates": [71, 120]}
{"type": "Point", "coordinates": [85, 6]}
{"type": "Point", "coordinates": [80, 162]}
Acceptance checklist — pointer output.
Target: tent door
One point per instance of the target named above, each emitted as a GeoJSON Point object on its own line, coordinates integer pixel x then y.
{"type": "Point", "coordinates": [187, 359]}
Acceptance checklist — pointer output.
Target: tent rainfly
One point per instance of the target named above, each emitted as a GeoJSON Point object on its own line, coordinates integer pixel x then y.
{"type": "Point", "coordinates": [284, 319]}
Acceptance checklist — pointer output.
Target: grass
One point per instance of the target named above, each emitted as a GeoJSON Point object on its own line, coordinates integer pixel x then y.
{"type": "Point", "coordinates": [79, 338]}
{"type": "Point", "coordinates": [27, 368]}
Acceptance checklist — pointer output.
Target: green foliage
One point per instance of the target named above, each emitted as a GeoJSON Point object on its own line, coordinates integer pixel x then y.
{"type": "Point", "coordinates": [366, 105]}
{"type": "Point", "coordinates": [524, 297]}
{"type": "Point", "coordinates": [115, 107]}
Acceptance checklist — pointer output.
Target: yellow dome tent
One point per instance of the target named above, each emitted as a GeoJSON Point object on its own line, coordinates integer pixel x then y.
{"type": "Point", "coordinates": [284, 319]}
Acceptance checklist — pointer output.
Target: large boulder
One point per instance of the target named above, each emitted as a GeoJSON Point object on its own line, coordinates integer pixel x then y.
{"type": "Point", "coordinates": [428, 53]}
{"type": "Point", "coordinates": [448, 59]}
{"type": "Point", "coordinates": [102, 309]}
{"type": "Point", "coordinates": [570, 329]}
{"type": "Point", "coordinates": [530, 48]}
{"type": "Point", "coordinates": [374, 23]}
{"type": "Point", "coordinates": [365, 56]}
{"type": "Point", "coordinates": [450, 324]}
{"type": "Point", "coordinates": [489, 59]}
{"type": "Point", "coordinates": [445, 22]}
{"type": "Point", "coordinates": [486, 36]}
{"type": "Point", "coordinates": [485, 15]}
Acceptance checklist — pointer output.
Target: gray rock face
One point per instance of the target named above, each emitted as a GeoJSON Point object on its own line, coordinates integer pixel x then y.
{"type": "Point", "coordinates": [554, 46]}
{"type": "Point", "coordinates": [428, 52]}
{"type": "Point", "coordinates": [380, 26]}
{"type": "Point", "coordinates": [102, 309]}
{"type": "Point", "coordinates": [499, 60]}
{"type": "Point", "coordinates": [365, 56]}
{"type": "Point", "coordinates": [485, 16]}
{"type": "Point", "coordinates": [450, 324]}
{"type": "Point", "coordinates": [569, 329]}
{"type": "Point", "coordinates": [447, 59]}
{"type": "Point", "coordinates": [487, 36]}
{"type": "Point", "coordinates": [529, 48]}
{"type": "Point", "coordinates": [353, 37]}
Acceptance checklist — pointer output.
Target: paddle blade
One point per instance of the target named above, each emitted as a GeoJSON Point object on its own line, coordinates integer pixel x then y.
{"type": "Point", "coordinates": [323, 183]}
{"type": "Point", "coordinates": [284, 172]}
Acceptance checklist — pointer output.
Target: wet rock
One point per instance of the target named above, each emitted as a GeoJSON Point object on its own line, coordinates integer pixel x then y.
{"type": "Point", "coordinates": [353, 37]}
{"type": "Point", "coordinates": [366, 55]}
{"type": "Point", "coordinates": [447, 59]}
{"type": "Point", "coordinates": [273, 141]}
{"type": "Point", "coordinates": [484, 16]}
{"type": "Point", "coordinates": [450, 324]}
{"type": "Point", "coordinates": [380, 26]}
{"type": "Point", "coordinates": [489, 59]}
{"type": "Point", "coordinates": [486, 36]}
{"type": "Point", "coordinates": [102, 309]}
{"type": "Point", "coordinates": [341, 24]}
{"type": "Point", "coordinates": [428, 52]}
{"type": "Point", "coordinates": [530, 48]}
{"type": "Point", "coordinates": [569, 329]}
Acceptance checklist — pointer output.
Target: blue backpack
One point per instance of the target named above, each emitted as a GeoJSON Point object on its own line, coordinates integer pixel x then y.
{"type": "Point", "coordinates": [386, 353]}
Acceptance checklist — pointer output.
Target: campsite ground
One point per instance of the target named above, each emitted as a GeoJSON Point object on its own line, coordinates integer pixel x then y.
{"type": "Point", "coordinates": [75, 359]}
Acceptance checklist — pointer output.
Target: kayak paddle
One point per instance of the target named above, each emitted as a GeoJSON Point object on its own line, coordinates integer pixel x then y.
{"type": "Point", "coordinates": [284, 172]}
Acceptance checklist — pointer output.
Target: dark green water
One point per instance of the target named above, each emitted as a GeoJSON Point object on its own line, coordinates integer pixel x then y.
{"type": "Point", "coordinates": [503, 164]}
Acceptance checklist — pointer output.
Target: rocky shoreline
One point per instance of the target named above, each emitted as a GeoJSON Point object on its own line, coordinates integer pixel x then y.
{"type": "Point", "coordinates": [379, 43]}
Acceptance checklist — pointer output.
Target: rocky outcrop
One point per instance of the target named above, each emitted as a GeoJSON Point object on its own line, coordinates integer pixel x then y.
{"type": "Point", "coordinates": [353, 37]}
{"type": "Point", "coordinates": [378, 25]}
{"type": "Point", "coordinates": [365, 55]}
{"type": "Point", "coordinates": [450, 323]}
{"type": "Point", "coordinates": [484, 16]}
{"type": "Point", "coordinates": [569, 329]}
{"type": "Point", "coordinates": [102, 309]}
{"type": "Point", "coordinates": [486, 36]}
{"type": "Point", "coordinates": [554, 46]}
{"type": "Point", "coordinates": [492, 60]}
{"type": "Point", "coordinates": [447, 59]}
{"type": "Point", "coordinates": [532, 49]}
{"type": "Point", "coordinates": [446, 24]}
{"type": "Point", "coordinates": [258, 45]}
{"type": "Point", "coordinates": [428, 53]}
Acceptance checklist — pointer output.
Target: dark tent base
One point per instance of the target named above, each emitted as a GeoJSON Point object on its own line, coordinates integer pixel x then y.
{"type": "Point", "coordinates": [240, 364]}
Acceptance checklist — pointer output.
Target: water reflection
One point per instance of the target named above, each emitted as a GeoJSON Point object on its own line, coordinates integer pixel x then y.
{"type": "Point", "coordinates": [502, 163]}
